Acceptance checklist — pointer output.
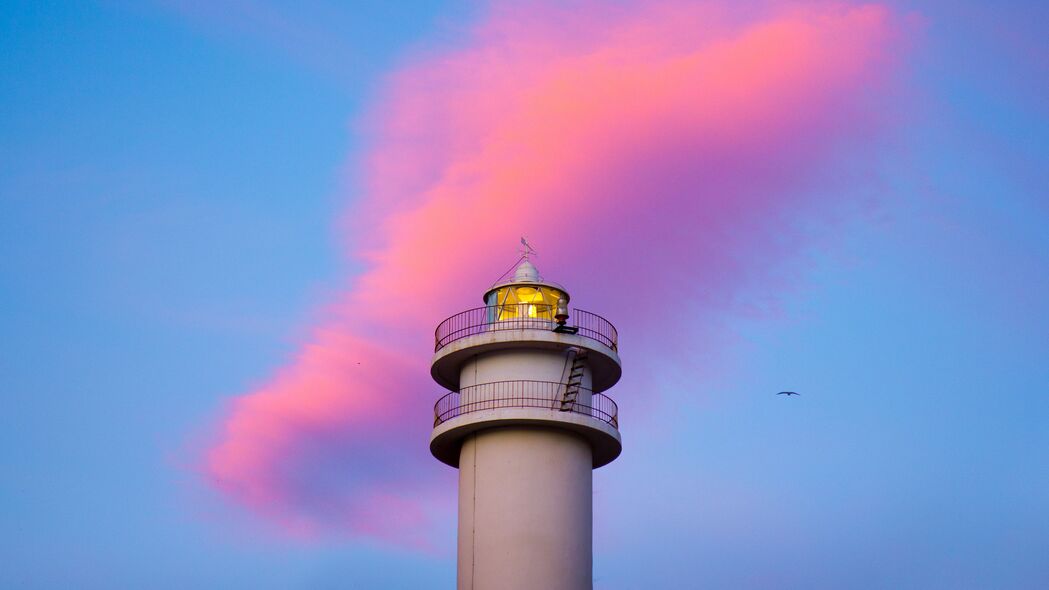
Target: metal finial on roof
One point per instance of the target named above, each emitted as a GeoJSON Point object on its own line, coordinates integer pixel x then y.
{"type": "Point", "coordinates": [527, 250]}
{"type": "Point", "coordinates": [522, 273]}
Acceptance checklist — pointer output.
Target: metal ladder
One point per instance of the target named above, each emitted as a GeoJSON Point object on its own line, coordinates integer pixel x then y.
{"type": "Point", "coordinates": [575, 379]}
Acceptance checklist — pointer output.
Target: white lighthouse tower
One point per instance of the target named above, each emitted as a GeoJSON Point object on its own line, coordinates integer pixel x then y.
{"type": "Point", "coordinates": [525, 422]}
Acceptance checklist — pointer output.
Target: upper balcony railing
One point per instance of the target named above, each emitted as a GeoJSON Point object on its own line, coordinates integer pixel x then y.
{"type": "Point", "coordinates": [522, 316]}
{"type": "Point", "coordinates": [545, 395]}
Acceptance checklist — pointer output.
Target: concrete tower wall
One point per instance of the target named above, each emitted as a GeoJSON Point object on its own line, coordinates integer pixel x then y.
{"type": "Point", "coordinates": [521, 364]}
{"type": "Point", "coordinates": [525, 510]}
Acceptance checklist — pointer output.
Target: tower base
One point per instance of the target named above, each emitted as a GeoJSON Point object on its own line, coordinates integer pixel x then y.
{"type": "Point", "coordinates": [525, 510]}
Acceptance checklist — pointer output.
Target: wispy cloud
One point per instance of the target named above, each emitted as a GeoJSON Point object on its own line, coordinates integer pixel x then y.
{"type": "Point", "coordinates": [661, 142]}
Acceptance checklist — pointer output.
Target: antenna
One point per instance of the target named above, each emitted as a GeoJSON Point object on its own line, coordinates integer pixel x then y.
{"type": "Point", "coordinates": [528, 250]}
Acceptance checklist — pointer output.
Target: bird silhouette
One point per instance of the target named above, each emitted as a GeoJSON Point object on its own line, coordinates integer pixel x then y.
{"type": "Point", "coordinates": [788, 393]}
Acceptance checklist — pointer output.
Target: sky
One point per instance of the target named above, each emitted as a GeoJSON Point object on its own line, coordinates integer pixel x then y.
{"type": "Point", "coordinates": [228, 230]}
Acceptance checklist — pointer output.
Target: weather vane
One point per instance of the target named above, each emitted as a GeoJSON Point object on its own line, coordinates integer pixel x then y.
{"type": "Point", "coordinates": [527, 250]}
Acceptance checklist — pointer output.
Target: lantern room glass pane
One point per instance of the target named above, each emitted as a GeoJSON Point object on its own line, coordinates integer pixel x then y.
{"type": "Point", "coordinates": [525, 301]}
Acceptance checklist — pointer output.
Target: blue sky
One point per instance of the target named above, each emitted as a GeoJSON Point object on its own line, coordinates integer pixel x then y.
{"type": "Point", "coordinates": [172, 182]}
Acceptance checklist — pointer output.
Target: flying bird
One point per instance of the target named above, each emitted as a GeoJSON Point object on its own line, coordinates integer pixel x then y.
{"type": "Point", "coordinates": [788, 393]}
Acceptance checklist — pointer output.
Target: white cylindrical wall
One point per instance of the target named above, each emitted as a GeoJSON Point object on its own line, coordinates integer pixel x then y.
{"type": "Point", "coordinates": [525, 510]}
{"type": "Point", "coordinates": [523, 364]}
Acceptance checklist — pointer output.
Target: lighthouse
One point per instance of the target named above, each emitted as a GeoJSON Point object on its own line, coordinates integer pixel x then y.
{"type": "Point", "coordinates": [525, 420]}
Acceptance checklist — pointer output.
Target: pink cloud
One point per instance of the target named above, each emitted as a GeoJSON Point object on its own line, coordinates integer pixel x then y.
{"type": "Point", "coordinates": [665, 143]}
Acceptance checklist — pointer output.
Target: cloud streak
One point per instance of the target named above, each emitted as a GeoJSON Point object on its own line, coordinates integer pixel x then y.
{"type": "Point", "coordinates": [661, 142]}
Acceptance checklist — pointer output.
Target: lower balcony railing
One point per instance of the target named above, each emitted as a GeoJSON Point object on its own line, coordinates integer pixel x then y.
{"type": "Point", "coordinates": [548, 395]}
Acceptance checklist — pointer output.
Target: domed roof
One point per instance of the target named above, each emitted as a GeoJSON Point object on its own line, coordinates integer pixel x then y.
{"type": "Point", "coordinates": [526, 274]}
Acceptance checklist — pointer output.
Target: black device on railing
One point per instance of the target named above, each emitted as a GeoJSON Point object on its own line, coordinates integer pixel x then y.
{"type": "Point", "coordinates": [562, 318]}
